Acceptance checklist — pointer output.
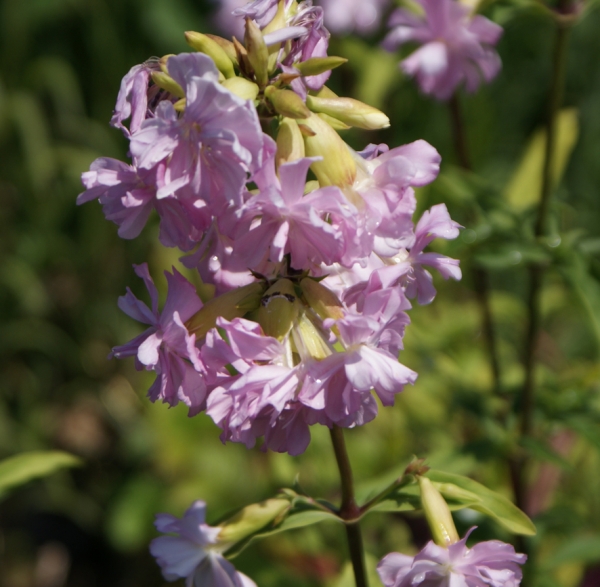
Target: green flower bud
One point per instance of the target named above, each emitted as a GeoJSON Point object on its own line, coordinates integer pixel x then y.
{"type": "Point", "coordinates": [166, 82]}
{"type": "Point", "coordinates": [278, 309]}
{"type": "Point", "coordinates": [438, 514]}
{"type": "Point", "coordinates": [349, 111]}
{"type": "Point", "coordinates": [258, 54]}
{"type": "Point", "coordinates": [230, 305]}
{"type": "Point", "coordinates": [337, 166]}
{"type": "Point", "coordinates": [290, 144]}
{"type": "Point", "coordinates": [204, 44]}
{"type": "Point", "coordinates": [242, 87]}
{"type": "Point", "coordinates": [251, 519]}
{"type": "Point", "coordinates": [309, 341]}
{"type": "Point", "coordinates": [334, 123]}
{"type": "Point", "coordinates": [321, 299]}
{"type": "Point", "coordinates": [318, 65]}
{"type": "Point", "coordinates": [227, 46]}
{"type": "Point", "coordinates": [287, 103]}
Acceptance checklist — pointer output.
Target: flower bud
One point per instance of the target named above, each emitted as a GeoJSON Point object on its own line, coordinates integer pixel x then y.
{"type": "Point", "coordinates": [334, 123]}
{"type": "Point", "coordinates": [318, 65]}
{"type": "Point", "coordinates": [287, 103]}
{"type": "Point", "coordinates": [349, 111]}
{"type": "Point", "coordinates": [204, 44]}
{"type": "Point", "coordinates": [337, 166]}
{"type": "Point", "coordinates": [242, 87]}
{"type": "Point", "coordinates": [308, 340]}
{"type": "Point", "coordinates": [438, 514]}
{"type": "Point", "coordinates": [278, 309]}
{"type": "Point", "coordinates": [258, 54]}
{"type": "Point", "coordinates": [226, 45]}
{"type": "Point", "coordinates": [321, 299]}
{"type": "Point", "coordinates": [290, 144]}
{"type": "Point", "coordinates": [230, 305]}
{"type": "Point", "coordinates": [166, 82]}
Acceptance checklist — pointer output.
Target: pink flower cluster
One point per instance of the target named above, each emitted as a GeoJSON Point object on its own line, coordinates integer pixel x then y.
{"type": "Point", "coordinates": [313, 281]}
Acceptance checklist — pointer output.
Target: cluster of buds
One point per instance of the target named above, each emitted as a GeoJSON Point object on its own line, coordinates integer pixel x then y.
{"type": "Point", "coordinates": [312, 278]}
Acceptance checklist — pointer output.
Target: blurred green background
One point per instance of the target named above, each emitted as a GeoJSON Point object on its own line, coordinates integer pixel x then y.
{"type": "Point", "coordinates": [63, 267]}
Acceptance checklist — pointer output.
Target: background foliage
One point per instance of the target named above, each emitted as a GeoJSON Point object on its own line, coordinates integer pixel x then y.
{"type": "Point", "coordinates": [62, 268]}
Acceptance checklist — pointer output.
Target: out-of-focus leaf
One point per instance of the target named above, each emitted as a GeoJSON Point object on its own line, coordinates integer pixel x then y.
{"type": "Point", "coordinates": [346, 577]}
{"type": "Point", "coordinates": [25, 467]}
{"type": "Point", "coordinates": [542, 452]}
{"type": "Point", "coordinates": [523, 189]}
{"type": "Point", "coordinates": [586, 427]}
{"type": "Point", "coordinates": [482, 499]}
{"type": "Point", "coordinates": [510, 255]}
{"type": "Point", "coordinates": [579, 548]}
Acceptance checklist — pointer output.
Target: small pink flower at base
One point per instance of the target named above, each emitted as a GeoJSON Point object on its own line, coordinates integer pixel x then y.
{"type": "Point", "coordinates": [188, 554]}
{"type": "Point", "coordinates": [488, 564]}
{"type": "Point", "coordinates": [455, 47]}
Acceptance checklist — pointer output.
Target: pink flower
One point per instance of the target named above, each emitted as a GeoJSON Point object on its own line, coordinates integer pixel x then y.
{"type": "Point", "coordinates": [455, 46]}
{"type": "Point", "coordinates": [189, 555]}
{"type": "Point", "coordinates": [167, 347]}
{"type": "Point", "coordinates": [360, 16]}
{"type": "Point", "coordinates": [487, 564]}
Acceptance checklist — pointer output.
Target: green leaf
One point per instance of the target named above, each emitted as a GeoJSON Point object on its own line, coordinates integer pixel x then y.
{"type": "Point", "coordinates": [542, 452]}
{"type": "Point", "coordinates": [577, 549]}
{"type": "Point", "coordinates": [468, 493]}
{"type": "Point", "coordinates": [524, 188]}
{"type": "Point", "coordinates": [21, 469]}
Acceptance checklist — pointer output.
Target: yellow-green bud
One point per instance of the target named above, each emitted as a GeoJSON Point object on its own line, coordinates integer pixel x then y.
{"type": "Point", "coordinates": [242, 87]}
{"type": "Point", "coordinates": [334, 123]}
{"type": "Point", "coordinates": [204, 44]}
{"type": "Point", "coordinates": [349, 111]}
{"type": "Point", "coordinates": [321, 299]}
{"type": "Point", "coordinates": [278, 21]}
{"type": "Point", "coordinates": [227, 46]}
{"type": "Point", "coordinates": [438, 514]}
{"type": "Point", "coordinates": [180, 105]}
{"type": "Point", "coordinates": [162, 62]}
{"type": "Point", "coordinates": [251, 519]}
{"type": "Point", "coordinates": [337, 166]}
{"type": "Point", "coordinates": [324, 92]}
{"type": "Point", "coordinates": [230, 305]}
{"type": "Point", "coordinates": [166, 82]}
{"type": "Point", "coordinates": [278, 309]}
{"type": "Point", "coordinates": [287, 103]}
{"type": "Point", "coordinates": [318, 65]}
{"type": "Point", "coordinates": [308, 340]}
{"type": "Point", "coordinates": [290, 144]}
{"type": "Point", "coordinates": [258, 54]}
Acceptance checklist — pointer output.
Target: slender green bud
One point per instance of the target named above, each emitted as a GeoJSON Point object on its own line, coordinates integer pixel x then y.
{"type": "Point", "coordinates": [166, 82]}
{"type": "Point", "coordinates": [438, 514]}
{"type": "Point", "coordinates": [318, 65]}
{"type": "Point", "coordinates": [287, 103]}
{"type": "Point", "coordinates": [337, 166]}
{"type": "Point", "coordinates": [290, 144]}
{"type": "Point", "coordinates": [180, 105]}
{"type": "Point", "coordinates": [204, 44]}
{"type": "Point", "coordinates": [227, 46]}
{"type": "Point", "coordinates": [242, 87]}
{"type": "Point", "coordinates": [349, 111]}
{"type": "Point", "coordinates": [324, 92]}
{"type": "Point", "coordinates": [308, 340]}
{"type": "Point", "coordinates": [251, 519]}
{"type": "Point", "coordinates": [162, 62]}
{"type": "Point", "coordinates": [278, 309]}
{"type": "Point", "coordinates": [321, 299]}
{"type": "Point", "coordinates": [278, 21]}
{"type": "Point", "coordinates": [230, 305]}
{"type": "Point", "coordinates": [334, 123]}
{"type": "Point", "coordinates": [258, 54]}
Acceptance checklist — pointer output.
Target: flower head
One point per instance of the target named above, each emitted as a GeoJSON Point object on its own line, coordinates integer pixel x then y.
{"type": "Point", "coordinates": [455, 47]}
{"type": "Point", "coordinates": [488, 564]}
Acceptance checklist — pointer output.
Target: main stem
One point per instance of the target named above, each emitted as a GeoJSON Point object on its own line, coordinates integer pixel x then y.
{"type": "Point", "coordinates": [349, 510]}
{"type": "Point", "coordinates": [480, 276]}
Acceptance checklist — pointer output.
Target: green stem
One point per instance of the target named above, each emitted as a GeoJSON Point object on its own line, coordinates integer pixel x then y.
{"type": "Point", "coordinates": [349, 510]}
{"type": "Point", "coordinates": [480, 276]}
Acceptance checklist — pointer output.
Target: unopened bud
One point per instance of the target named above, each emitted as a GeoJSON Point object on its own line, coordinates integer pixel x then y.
{"type": "Point", "coordinates": [166, 82]}
{"type": "Point", "coordinates": [242, 87]}
{"type": "Point", "coordinates": [230, 305]}
{"type": "Point", "coordinates": [308, 340]}
{"type": "Point", "coordinates": [321, 299]}
{"type": "Point", "coordinates": [162, 62]}
{"type": "Point", "coordinates": [318, 65]}
{"type": "Point", "coordinates": [208, 46]}
{"type": "Point", "coordinates": [290, 144]}
{"type": "Point", "coordinates": [180, 105]}
{"type": "Point", "coordinates": [349, 111]}
{"type": "Point", "coordinates": [278, 21]}
{"type": "Point", "coordinates": [278, 309]}
{"type": "Point", "coordinates": [258, 54]}
{"type": "Point", "coordinates": [251, 519]}
{"type": "Point", "coordinates": [287, 103]}
{"type": "Point", "coordinates": [226, 45]}
{"type": "Point", "coordinates": [337, 166]}
{"type": "Point", "coordinates": [334, 123]}
{"type": "Point", "coordinates": [438, 514]}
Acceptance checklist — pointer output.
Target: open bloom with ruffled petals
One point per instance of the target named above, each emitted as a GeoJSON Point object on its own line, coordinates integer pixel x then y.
{"type": "Point", "coordinates": [188, 554]}
{"type": "Point", "coordinates": [455, 47]}
{"type": "Point", "coordinates": [167, 347]}
{"type": "Point", "coordinates": [488, 564]}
